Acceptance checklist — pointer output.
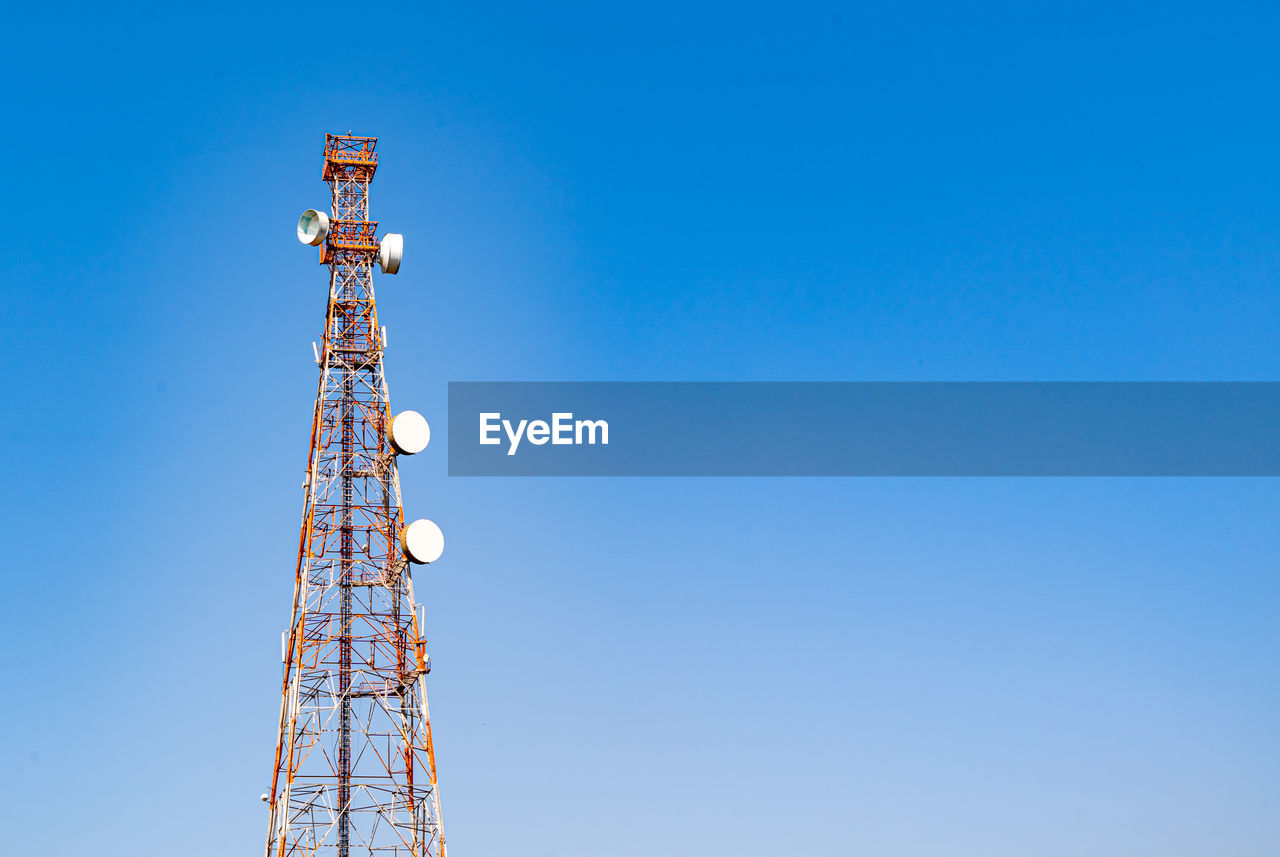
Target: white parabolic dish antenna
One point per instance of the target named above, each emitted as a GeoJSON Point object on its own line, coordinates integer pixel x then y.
{"type": "Point", "coordinates": [422, 541]}
{"type": "Point", "coordinates": [390, 249]}
{"type": "Point", "coordinates": [409, 433]}
{"type": "Point", "coordinates": [313, 226]}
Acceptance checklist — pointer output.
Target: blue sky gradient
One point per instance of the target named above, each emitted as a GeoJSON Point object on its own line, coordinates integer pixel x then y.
{"type": "Point", "coordinates": [899, 668]}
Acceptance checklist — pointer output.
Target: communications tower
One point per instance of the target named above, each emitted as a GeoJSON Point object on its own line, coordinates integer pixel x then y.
{"type": "Point", "coordinates": [355, 770]}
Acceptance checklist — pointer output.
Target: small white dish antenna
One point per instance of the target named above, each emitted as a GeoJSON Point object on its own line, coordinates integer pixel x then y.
{"type": "Point", "coordinates": [313, 225]}
{"type": "Point", "coordinates": [390, 249]}
{"type": "Point", "coordinates": [422, 541]}
{"type": "Point", "coordinates": [264, 797]}
{"type": "Point", "coordinates": [409, 433]}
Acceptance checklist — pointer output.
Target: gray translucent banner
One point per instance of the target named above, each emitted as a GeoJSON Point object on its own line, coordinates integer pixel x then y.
{"type": "Point", "coordinates": [864, 429]}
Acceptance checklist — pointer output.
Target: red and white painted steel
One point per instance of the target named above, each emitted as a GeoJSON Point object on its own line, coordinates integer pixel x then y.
{"type": "Point", "coordinates": [355, 768]}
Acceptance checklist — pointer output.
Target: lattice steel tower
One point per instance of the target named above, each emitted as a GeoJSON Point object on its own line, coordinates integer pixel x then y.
{"type": "Point", "coordinates": [355, 769]}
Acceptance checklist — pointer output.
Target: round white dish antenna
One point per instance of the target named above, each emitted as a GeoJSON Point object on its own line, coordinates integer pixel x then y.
{"type": "Point", "coordinates": [422, 541]}
{"type": "Point", "coordinates": [313, 226]}
{"type": "Point", "coordinates": [409, 433]}
{"type": "Point", "coordinates": [390, 249]}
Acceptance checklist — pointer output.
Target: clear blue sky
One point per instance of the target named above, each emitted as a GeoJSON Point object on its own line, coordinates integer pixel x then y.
{"type": "Point", "coordinates": [672, 191]}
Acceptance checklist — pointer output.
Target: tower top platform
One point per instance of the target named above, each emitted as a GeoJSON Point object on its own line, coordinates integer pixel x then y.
{"type": "Point", "coordinates": [347, 153]}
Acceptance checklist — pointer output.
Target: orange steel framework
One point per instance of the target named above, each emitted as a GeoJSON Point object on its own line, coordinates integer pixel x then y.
{"type": "Point", "coordinates": [354, 766]}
